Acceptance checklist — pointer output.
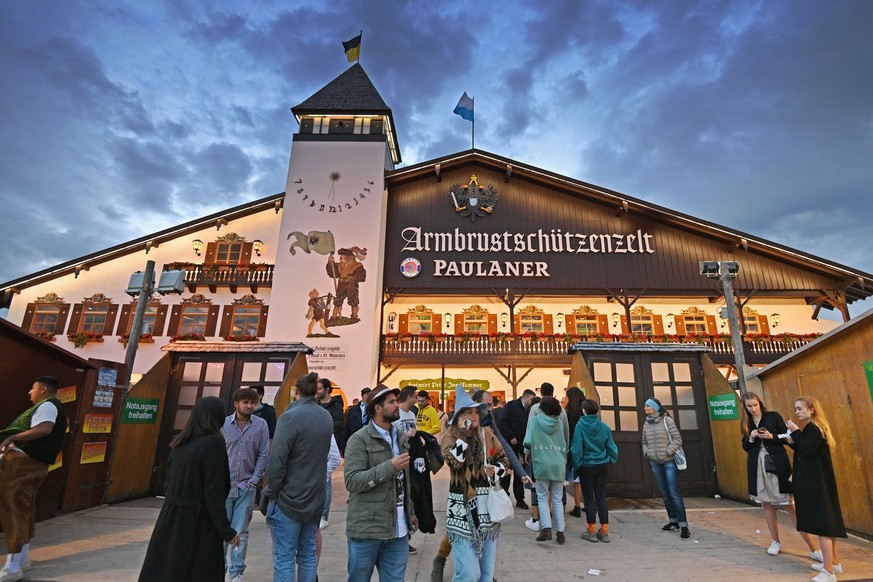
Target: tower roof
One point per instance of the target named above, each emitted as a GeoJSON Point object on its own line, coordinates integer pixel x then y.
{"type": "Point", "coordinates": [351, 92]}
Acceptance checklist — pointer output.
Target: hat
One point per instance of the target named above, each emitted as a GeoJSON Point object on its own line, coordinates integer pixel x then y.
{"type": "Point", "coordinates": [463, 401]}
{"type": "Point", "coordinates": [379, 395]}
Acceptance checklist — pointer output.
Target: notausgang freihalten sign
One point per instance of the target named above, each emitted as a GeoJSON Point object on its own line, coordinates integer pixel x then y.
{"type": "Point", "coordinates": [140, 411]}
{"type": "Point", "coordinates": [723, 407]}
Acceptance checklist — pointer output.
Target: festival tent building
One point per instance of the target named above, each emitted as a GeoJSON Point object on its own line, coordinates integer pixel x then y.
{"type": "Point", "coordinates": [471, 268]}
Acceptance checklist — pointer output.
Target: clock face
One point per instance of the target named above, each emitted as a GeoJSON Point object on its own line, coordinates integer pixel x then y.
{"type": "Point", "coordinates": [332, 195]}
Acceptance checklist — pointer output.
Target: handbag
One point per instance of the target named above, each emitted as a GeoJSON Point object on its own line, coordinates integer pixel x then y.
{"type": "Point", "coordinates": [500, 507]}
{"type": "Point", "coordinates": [679, 456]}
{"type": "Point", "coordinates": [770, 465]}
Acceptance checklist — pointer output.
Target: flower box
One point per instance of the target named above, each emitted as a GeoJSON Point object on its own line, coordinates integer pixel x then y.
{"type": "Point", "coordinates": [46, 335]}
{"type": "Point", "coordinates": [241, 337]}
{"type": "Point", "coordinates": [82, 339]}
{"type": "Point", "coordinates": [188, 337]}
{"type": "Point", "coordinates": [145, 338]}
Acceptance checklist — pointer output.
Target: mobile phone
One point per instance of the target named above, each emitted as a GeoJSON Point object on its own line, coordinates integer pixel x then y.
{"type": "Point", "coordinates": [466, 423]}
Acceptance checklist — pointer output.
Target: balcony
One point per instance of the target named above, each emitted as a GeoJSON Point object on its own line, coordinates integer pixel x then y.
{"type": "Point", "coordinates": [215, 275]}
{"type": "Point", "coordinates": [506, 349]}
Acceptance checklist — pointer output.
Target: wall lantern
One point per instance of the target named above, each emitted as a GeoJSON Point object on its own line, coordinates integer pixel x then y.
{"type": "Point", "coordinates": [560, 319]}
{"type": "Point", "coordinates": [616, 319]}
{"type": "Point", "coordinates": [447, 318]}
{"type": "Point", "coordinates": [391, 317]}
{"type": "Point", "coordinates": [775, 318]}
{"type": "Point", "coordinates": [671, 319]}
{"type": "Point", "coordinates": [504, 317]}
{"type": "Point", "coordinates": [197, 244]}
{"type": "Point", "coordinates": [258, 246]}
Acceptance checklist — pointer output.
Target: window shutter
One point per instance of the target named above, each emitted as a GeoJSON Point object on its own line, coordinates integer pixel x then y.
{"type": "Point", "coordinates": [570, 324]}
{"type": "Point", "coordinates": [28, 316]}
{"type": "Point", "coordinates": [625, 329]}
{"type": "Point", "coordinates": [658, 327]}
{"type": "Point", "coordinates": [603, 323]}
{"type": "Point", "coordinates": [75, 318]}
{"type": "Point", "coordinates": [212, 320]}
{"type": "Point", "coordinates": [262, 323]}
{"type": "Point", "coordinates": [403, 323]}
{"type": "Point", "coordinates": [160, 319]}
{"type": "Point", "coordinates": [124, 319]}
{"type": "Point", "coordinates": [459, 324]}
{"type": "Point", "coordinates": [109, 324]}
{"type": "Point", "coordinates": [209, 256]}
{"type": "Point", "coordinates": [175, 318]}
{"type": "Point", "coordinates": [226, 320]}
{"type": "Point", "coordinates": [62, 318]}
{"type": "Point", "coordinates": [492, 323]}
{"type": "Point", "coordinates": [436, 323]}
{"type": "Point", "coordinates": [680, 325]}
{"type": "Point", "coordinates": [246, 255]}
{"type": "Point", "coordinates": [516, 320]}
{"type": "Point", "coordinates": [711, 326]}
{"type": "Point", "coordinates": [765, 325]}
{"type": "Point", "coordinates": [548, 324]}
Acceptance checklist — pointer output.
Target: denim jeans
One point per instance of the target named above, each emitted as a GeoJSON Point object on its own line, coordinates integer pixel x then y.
{"type": "Point", "coordinates": [239, 513]}
{"type": "Point", "coordinates": [293, 547]}
{"type": "Point", "coordinates": [553, 490]}
{"type": "Point", "coordinates": [593, 480]}
{"type": "Point", "coordinates": [387, 556]}
{"type": "Point", "coordinates": [472, 568]}
{"type": "Point", "coordinates": [326, 513]}
{"type": "Point", "coordinates": [667, 476]}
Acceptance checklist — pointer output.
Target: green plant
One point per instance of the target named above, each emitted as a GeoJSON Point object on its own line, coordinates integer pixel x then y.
{"type": "Point", "coordinates": [241, 337]}
{"type": "Point", "coordinates": [188, 337]}
{"type": "Point", "coordinates": [83, 338]}
{"type": "Point", "coordinates": [47, 335]}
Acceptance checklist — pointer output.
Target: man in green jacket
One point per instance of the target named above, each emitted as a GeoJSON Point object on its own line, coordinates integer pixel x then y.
{"type": "Point", "coordinates": [380, 515]}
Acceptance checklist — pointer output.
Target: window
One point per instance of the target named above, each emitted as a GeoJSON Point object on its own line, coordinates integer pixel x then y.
{"type": "Point", "coordinates": [229, 252]}
{"type": "Point", "coordinates": [193, 319]}
{"type": "Point", "coordinates": [149, 319]}
{"type": "Point", "coordinates": [93, 318]}
{"type": "Point", "coordinates": [476, 322]}
{"type": "Point", "coordinates": [751, 321]}
{"type": "Point", "coordinates": [642, 323]}
{"type": "Point", "coordinates": [531, 323]}
{"type": "Point", "coordinates": [695, 323]}
{"type": "Point", "coordinates": [246, 320]}
{"type": "Point", "coordinates": [586, 324]}
{"type": "Point", "coordinates": [421, 323]}
{"type": "Point", "coordinates": [45, 318]}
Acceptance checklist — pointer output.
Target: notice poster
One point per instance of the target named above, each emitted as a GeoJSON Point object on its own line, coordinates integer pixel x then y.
{"type": "Point", "coordinates": [328, 359]}
{"type": "Point", "coordinates": [103, 397]}
{"type": "Point", "coordinates": [107, 377]}
{"type": "Point", "coordinates": [97, 424]}
{"type": "Point", "coordinates": [93, 453]}
{"type": "Point", "coordinates": [59, 462]}
{"type": "Point", "coordinates": [66, 394]}
{"type": "Point", "coordinates": [140, 411]}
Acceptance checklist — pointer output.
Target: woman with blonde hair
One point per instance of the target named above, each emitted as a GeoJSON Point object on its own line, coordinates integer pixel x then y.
{"type": "Point", "coordinates": [815, 485]}
{"type": "Point", "coordinates": [768, 467]}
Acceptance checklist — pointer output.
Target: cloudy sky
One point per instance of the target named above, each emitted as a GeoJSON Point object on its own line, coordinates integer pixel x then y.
{"type": "Point", "coordinates": [119, 118]}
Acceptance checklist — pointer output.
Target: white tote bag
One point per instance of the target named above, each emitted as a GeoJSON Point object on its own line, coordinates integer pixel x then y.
{"type": "Point", "coordinates": [500, 506]}
{"type": "Point", "coordinates": [679, 455]}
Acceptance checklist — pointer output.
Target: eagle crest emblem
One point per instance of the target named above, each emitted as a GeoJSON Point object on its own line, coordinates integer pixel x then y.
{"type": "Point", "coordinates": [472, 200]}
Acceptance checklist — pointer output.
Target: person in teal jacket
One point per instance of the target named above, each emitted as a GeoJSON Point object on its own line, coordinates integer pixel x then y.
{"type": "Point", "coordinates": [546, 444]}
{"type": "Point", "coordinates": [593, 450]}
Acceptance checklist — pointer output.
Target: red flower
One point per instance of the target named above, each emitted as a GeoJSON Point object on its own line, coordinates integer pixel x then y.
{"type": "Point", "coordinates": [492, 452]}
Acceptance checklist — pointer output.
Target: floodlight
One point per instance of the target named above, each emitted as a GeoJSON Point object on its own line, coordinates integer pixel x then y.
{"type": "Point", "coordinates": [134, 286]}
{"type": "Point", "coordinates": [171, 282]}
{"type": "Point", "coordinates": [729, 269]}
{"type": "Point", "coordinates": [709, 269]}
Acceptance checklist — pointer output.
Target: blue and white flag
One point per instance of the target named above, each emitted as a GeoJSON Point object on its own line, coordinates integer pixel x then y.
{"type": "Point", "coordinates": [464, 108]}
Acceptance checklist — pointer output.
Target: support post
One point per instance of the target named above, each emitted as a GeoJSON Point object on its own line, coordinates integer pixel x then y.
{"type": "Point", "coordinates": [736, 333]}
{"type": "Point", "coordinates": [145, 295]}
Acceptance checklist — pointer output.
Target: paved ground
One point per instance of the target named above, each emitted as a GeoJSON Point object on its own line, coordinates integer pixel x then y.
{"type": "Point", "coordinates": [729, 541]}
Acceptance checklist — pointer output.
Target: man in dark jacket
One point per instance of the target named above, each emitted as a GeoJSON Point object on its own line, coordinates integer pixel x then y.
{"type": "Point", "coordinates": [513, 425]}
{"type": "Point", "coordinates": [357, 414]}
{"type": "Point", "coordinates": [334, 405]}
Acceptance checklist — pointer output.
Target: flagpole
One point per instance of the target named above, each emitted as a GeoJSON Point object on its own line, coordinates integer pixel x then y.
{"type": "Point", "coordinates": [359, 46]}
{"type": "Point", "coordinates": [474, 123]}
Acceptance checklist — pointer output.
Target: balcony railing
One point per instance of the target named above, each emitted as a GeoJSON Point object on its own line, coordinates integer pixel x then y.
{"type": "Point", "coordinates": [465, 348]}
{"type": "Point", "coordinates": [231, 276]}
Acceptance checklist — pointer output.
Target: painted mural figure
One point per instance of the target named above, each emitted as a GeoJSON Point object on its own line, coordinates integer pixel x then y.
{"type": "Point", "coordinates": [347, 275]}
{"type": "Point", "coordinates": [318, 308]}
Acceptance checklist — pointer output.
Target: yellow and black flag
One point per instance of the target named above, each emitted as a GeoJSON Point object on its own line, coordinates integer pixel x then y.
{"type": "Point", "coordinates": [352, 48]}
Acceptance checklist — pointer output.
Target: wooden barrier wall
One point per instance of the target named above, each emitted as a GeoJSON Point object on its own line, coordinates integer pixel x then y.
{"type": "Point", "coordinates": [580, 377]}
{"type": "Point", "coordinates": [134, 455]}
{"type": "Point", "coordinates": [730, 458]}
{"type": "Point", "coordinates": [834, 374]}
{"type": "Point", "coordinates": [285, 394]}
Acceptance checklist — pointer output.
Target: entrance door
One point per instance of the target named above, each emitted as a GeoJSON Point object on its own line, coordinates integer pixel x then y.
{"type": "Point", "coordinates": [624, 381]}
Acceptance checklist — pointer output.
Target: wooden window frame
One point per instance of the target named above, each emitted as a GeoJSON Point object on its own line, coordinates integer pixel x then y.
{"type": "Point", "coordinates": [199, 300]}
{"type": "Point", "coordinates": [482, 316]}
{"type": "Point", "coordinates": [586, 313]}
{"type": "Point", "coordinates": [404, 320]}
{"type": "Point", "coordinates": [246, 301]}
{"type": "Point", "coordinates": [534, 311]}
{"type": "Point", "coordinates": [212, 250]}
{"type": "Point", "coordinates": [125, 318]}
{"type": "Point", "coordinates": [77, 319]}
{"type": "Point", "coordinates": [47, 299]}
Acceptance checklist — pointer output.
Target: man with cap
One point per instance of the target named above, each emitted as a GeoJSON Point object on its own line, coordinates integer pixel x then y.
{"type": "Point", "coordinates": [358, 415]}
{"type": "Point", "coordinates": [380, 515]}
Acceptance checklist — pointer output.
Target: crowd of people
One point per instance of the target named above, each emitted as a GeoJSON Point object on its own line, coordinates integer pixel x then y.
{"type": "Point", "coordinates": [389, 442]}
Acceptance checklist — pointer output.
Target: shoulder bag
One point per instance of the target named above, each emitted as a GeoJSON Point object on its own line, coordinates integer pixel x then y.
{"type": "Point", "coordinates": [500, 506]}
{"type": "Point", "coordinates": [679, 455]}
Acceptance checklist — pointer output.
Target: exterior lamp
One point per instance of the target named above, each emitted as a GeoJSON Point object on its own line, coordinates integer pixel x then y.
{"type": "Point", "coordinates": [197, 244]}
{"type": "Point", "coordinates": [258, 246]}
{"type": "Point", "coordinates": [775, 318]}
{"type": "Point", "coordinates": [560, 319]}
{"type": "Point", "coordinates": [504, 317]}
{"type": "Point", "coordinates": [448, 319]}
{"type": "Point", "coordinates": [671, 319]}
{"type": "Point", "coordinates": [391, 317]}
{"type": "Point", "coordinates": [616, 319]}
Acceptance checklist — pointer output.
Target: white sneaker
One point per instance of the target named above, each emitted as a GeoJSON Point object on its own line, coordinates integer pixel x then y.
{"type": "Point", "coordinates": [237, 578]}
{"type": "Point", "coordinates": [774, 548]}
{"type": "Point", "coordinates": [7, 576]}
{"type": "Point", "coordinates": [323, 523]}
{"type": "Point", "coordinates": [533, 525]}
{"type": "Point", "coordinates": [816, 555]}
{"type": "Point", "coordinates": [824, 577]}
{"type": "Point", "coordinates": [27, 565]}
{"type": "Point", "coordinates": [838, 568]}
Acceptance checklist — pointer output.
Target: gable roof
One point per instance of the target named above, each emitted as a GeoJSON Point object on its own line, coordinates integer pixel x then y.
{"type": "Point", "coordinates": [858, 285]}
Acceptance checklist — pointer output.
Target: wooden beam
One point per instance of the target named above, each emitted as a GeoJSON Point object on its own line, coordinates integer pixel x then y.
{"type": "Point", "coordinates": [391, 371]}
